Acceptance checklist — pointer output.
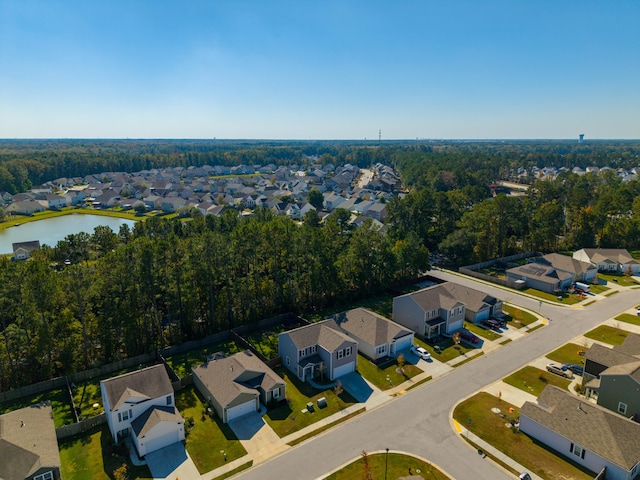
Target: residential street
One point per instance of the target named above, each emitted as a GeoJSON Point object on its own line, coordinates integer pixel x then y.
{"type": "Point", "coordinates": [419, 422]}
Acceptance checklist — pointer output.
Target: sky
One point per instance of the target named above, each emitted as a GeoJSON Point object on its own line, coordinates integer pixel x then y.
{"type": "Point", "coordinates": [329, 69]}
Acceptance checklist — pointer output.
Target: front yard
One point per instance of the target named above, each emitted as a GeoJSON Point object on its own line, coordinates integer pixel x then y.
{"type": "Point", "coordinates": [566, 298]}
{"type": "Point", "coordinates": [388, 374]}
{"type": "Point", "coordinates": [607, 334]}
{"type": "Point", "coordinates": [624, 280]}
{"type": "Point", "coordinates": [208, 436]}
{"type": "Point", "coordinates": [288, 417]}
{"type": "Point", "coordinates": [92, 456]}
{"type": "Point", "coordinates": [392, 465]}
{"type": "Point", "coordinates": [482, 332]}
{"type": "Point", "coordinates": [491, 427]}
{"type": "Point", "coordinates": [516, 317]}
{"type": "Point", "coordinates": [533, 380]}
{"type": "Point", "coordinates": [569, 353]}
{"type": "Point", "coordinates": [628, 318]}
{"type": "Point", "coordinates": [448, 350]}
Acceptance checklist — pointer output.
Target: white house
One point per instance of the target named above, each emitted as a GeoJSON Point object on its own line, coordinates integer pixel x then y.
{"type": "Point", "coordinates": [616, 260]}
{"type": "Point", "coordinates": [141, 405]}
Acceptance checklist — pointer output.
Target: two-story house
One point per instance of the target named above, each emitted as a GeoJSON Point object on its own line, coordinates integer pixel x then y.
{"type": "Point", "coordinates": [141, 405]}
{"type": "Point", "coordinates": [318, 349]}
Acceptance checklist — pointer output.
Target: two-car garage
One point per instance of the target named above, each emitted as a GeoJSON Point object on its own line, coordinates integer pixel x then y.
{"type": "Point", "coordinates": [344, 369]}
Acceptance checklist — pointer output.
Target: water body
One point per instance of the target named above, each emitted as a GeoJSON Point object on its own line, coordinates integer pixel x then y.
{"type": "Point", "coordinates": [51, 230]}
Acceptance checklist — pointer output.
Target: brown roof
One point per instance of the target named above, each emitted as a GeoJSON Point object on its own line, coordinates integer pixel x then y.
{"type": "Point", "coordinates": [607, 434]}
{"type": "Point", "coordinates": [628, 352]}
{"type": "Point", "coordinates": [632, 369]}
{"type": "Point", "coordinates": [148, 383]}
{"type": "Point", "coordinates": [27, 442]}
{"type": "Point", "coordinates": [617, 255]}
{"type": "Point", "coordinates": [327, 334]}
{"type": "Point", "coordinates": [370, 327]}
{"type": "Point", "coordinates": [153, 416]}
{"type": "Point", "coordinates": [436, 296]}
{"type": "Point", "coordinates": [474, 300]}
{"type": "Point", "coordinates": [240, 375]}
{"type": "Point", "coordinates": [541, 273]}
{"type": "Point", "coordinates": [564, 262]}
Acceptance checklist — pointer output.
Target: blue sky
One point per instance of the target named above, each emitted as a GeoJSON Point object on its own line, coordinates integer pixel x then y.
{"type": "Point", "coordinates": [302, 69]}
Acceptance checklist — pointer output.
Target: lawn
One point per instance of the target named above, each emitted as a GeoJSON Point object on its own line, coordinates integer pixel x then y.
{"type": "Point", "coordinates": [607, 334]}
{"type": "Point", "coordinates": [568, 354]}
{"type": "Point", "coordinates": [92, 456]}
{"type": "Point", "coordinates": [181, 363]}
{"type": "Point", "coordinates": [482, 332]}
{"type": "Point", "coordinates": [266, 342]}
{"type": "Point", "coordinates": [628, 318]}
{"type": "Point", "coordinates": [288, 417]}
{"type": "Point", "coordinates": [516, 317]}
{"type": "Point", "coordinates": [386, 375]}
{"type": "Point", "coordinates": [448, 349]}
{"type": "Point", "coordinates": [567, 298]}
{"type": "Point", "coordinates": [598, 289]}
{"type": "Point", "coordinates": [623, 280]}
{"type": "Point", "coordinates": [522, 448]}
{"type": "Point", "coordinates": [392, 465]}
{"type": "Point", "coordinates": [209, 436]}
{"type": "Point", "coordinates": [533, 380]}
{"type": "Point", "coordinates": [60, 405]}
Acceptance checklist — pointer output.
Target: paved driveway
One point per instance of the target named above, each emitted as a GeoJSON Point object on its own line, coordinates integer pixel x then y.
{"type": "Point", "coordinates": [172, 462]}
{"type": "Point", "coordinates": [256, 436]}
{"type": "Point", "coordinates": [356, 386]}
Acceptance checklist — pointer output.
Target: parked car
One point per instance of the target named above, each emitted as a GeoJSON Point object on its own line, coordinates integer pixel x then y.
{"type": "Point", "coordinates": [559, 371]}
{"type": "Point", "coordinates": [638, 312]}
{"type": "Point", "coordinates": [468, 337]}
{"type": "Point", "coordinates": [524, 476]}
{"type": "Point", "coordinates": [420, 352]}
{"type": "Point", "coordinates": [577, 369]}
{"type": "Point", "coordinates": [491, 323]}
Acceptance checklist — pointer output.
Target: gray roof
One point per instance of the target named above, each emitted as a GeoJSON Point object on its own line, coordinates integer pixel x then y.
{"type": "Point", "coordinates": [607, 434]}
{"type": "Point", "coordinates": [473, 299]}
{"type": "Point", "coordinates": [152, 417]}
{"type": "Point", "coordinates": [436, 296]}
{"type": "Point", "coordinates": [29, 246]}
{"type": "Point", "coordinates": [632, 369]}
{"type": "Point", "coordinates": [370, 327]}
{"type": "Point", "coordinates": [27, 442]}
{"type": "Point", "coordinates": [148, 383]}
{"type": "Point", "coordinates": [541, 273]}
{"type": "Point", "coordinates": [628, 352]}
{"type": "Point", "coordinates": [602, 255]}
{"type": "Point", "coordinates": [326, 334]}
{"type": "Point", "coordinates": [241, 374]}
{"type": "Point", "coordinates": [564, 262]}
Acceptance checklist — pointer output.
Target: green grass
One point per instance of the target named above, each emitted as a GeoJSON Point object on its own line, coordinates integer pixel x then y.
{"type": "Point", "coordinates": [419, 382]}
{"type": "Point", "coordinates": [288, 417]}
{"type": "Point", "coordinates": [266, 341]}
{"type": "Point", "coordinates": [60, 405]}
{"type": "Point", "coordinates": [181, 363]}
{"type": "Point", "coordinates": [522, 448]}
{"type": "Point", "coordinates": [385, 376]}
{"type": "Point", "coordinates": [533, 380]}
{"type": "Point", "coordinates": [392, 465]}
{"type": "Point", "coordinates": [85, 396]}
{"type": "Point", "coordinates": [504, 342]}
{"type": "Point", "coordinates": [326, 427]}
{"type": "Point", "coordinates": [623, 280]}
{"type": "Point", "coordinates": [568, 354]}
{"type": "Point", "coordinates": [612, 293]}
{"type": "Point", "coordinates": [467, 360]}
{"type": "Point", "coordinates": [516, 317]}
{"type": "Point", "coordinates": [598, 289]}
{"type": "Point", "coordinates": [628, 318]}
{"type": "Point", "coordinates": [482, 332]}
{"type": "Point", "coordinates": [22, 219]}
{"type": "Point", "coordinates": [607, 334]}
{"type": "Point", "coordinates": [567, 299]}
{"type": "Point", "coordinates": [209, 435]}
{"type": "Point", "coordinates": [382, 305]}
{"type": "Point", "coordinates": [448, 349]}
{"type": "Point", "coordinates": [91, 456]}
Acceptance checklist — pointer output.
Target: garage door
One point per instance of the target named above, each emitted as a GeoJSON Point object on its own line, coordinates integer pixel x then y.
{"type": "Point", "coordinates": [160, 442]}
{"type": "Point", "coordinates": [453, 326]}
{"type": "Point", "coordinates": [344, 369]}
{"type": "Point", "coordinates": [402, 343]}
{"type": "Point", "coordinates": [242, 409]}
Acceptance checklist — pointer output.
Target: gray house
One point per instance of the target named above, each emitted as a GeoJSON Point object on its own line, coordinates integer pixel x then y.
{"type": "Point", "coordinates": [478, 305]}
{"type": "Point", "coordinates": [377, 336]}
{"type": "Point", "coordinates": [28, 444]}
{"type": "Point", "coordinates": [234, 386]}
{"type": "Point", "coordinates": [581, 271]}
{"type": "Point", "coordinates": [318, 349]}
{"type": "Point", "coordinates": [587, 434]}
{"type": "Point", "coordinates": [541, 277]}
{"type": "Point", "coordinates": [429, 312]}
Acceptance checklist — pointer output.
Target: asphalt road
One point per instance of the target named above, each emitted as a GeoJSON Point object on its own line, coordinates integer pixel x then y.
{"type": "Point", "coordinates": [419, 422]}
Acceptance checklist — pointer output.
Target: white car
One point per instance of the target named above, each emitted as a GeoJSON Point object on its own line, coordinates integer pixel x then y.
{"type": "Point", "coordinates": [421, 352]}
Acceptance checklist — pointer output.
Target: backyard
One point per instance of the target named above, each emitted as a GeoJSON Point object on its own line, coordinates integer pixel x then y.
{"type": "Point", "coordinates": [477, 415]}
{"type": "Point", "coordinates": [208, 436]}
{"type": "Point", "coordinates": [391, 465]}
{"type": "Point", "coordinates": [607, 334]}
{"type": "Point", "coordinates": [533, 380]}
{"type": "Point", "coordinates": [388, 374]}
{"type": "Point", "coordinates": [181, 363]}
{"type": "Point", "coordinates": [60, 405]}
{"type": "Point", "coordinates": [92, 456]}
{"type": "Point", "coordinates": [288, 417]}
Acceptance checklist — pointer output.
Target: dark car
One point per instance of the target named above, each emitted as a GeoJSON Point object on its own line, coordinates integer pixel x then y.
{"type": "Point", "coordinates": [491, 323]}
{"type": "Point", "coordinates": [572, 367]}
{"type": "Point", "coordinates": [468, 337]}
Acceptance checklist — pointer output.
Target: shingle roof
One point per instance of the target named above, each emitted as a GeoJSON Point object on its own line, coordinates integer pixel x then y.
{"type": "Point", "coordinates": [541, 273]}
{"type": "Point", "coordinates": [618, 255]}
{"type": "Point", "coordinates": [27, 442]}
{"type": "Point", "coordinates": [628, 352]}
{"type": "Point", "coordinates": [238, 375]}
{"type": "Point", "coordinates": [564, 262]}
{"type": "Point", "coordinates": [474, 300]}
{"type": "Point", "coordinates": [632, 369]}
{"type": "Point", "coordinates": [436, 296]}
{"type": "Point", "coordinates": [605, 433]}
{"type": "Point", "coordinates": [327, 334]}
{"type": "Point", "coordinates": [370, 327]}
{"type": "Point", "coordinates": [151, 382]}
{"type": "Point", "coordinates": [152, 417]}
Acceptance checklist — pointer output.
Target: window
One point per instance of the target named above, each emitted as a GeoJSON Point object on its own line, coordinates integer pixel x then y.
{"type": "Point", "coordinates": [381, 349]}
{"type": "Point", "coordinates": [577, 450]}
{"type": "Point", "coordinates": [276, 393]}
{"type": "Point", "coordinates": [340, 354]}
{"type": "Point", "coordinates": [347, 351]}
{"type": "Point", "coordinates": [44, 476]}
{"type": "Point", "coordinates": [300, 354]}
{"type": "Point", "coordinates": [622, 408]}
{"type": "Point", "coordinates": [168, 399]}
{"type": "Point", "coordinates": [288, 361]}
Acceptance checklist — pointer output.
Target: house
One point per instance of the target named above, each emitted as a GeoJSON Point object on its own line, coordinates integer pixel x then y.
{"type": "Point", "coordinates": [377, 211]}
{"type": "Point", "coordinates": [588, 434]}
{"type": "Point", "coordinates": [429, 312]}
{"type": "Point", "coordinates": [22, 250]}
{"type": "Point", "coordinates": [172, 204]}
{"type": "Point", "coordinates": [478, 305]}
{"type": "Point", "coordinates": [236, 385]}
{"type": "Point", "coordinates": [377, 337]}
{"type": "Point", "coordinates": [612, 260]}
{"type": "Point", "coordinates": [581, 271]}
{"type": "Point", "coordinates": [25, 207]}
{"type": "Point", "coordinates": [141, 405]}
{"type": "Point", "coordinates": [541, 277]}
{"type": "Point", "coordinates": [28, 444]}
{"type": "Point", "coordinates": [318, 349]}
{"type": "Point", "coordinates": [332, 201]}
{"type": "Point", "coordinates": [75, 197]}
{"type": "Point", "coordinates": [51, 200]}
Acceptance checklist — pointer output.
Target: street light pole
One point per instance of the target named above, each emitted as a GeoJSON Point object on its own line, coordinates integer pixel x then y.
{"type": "Point", "coordinates": [386, 462]}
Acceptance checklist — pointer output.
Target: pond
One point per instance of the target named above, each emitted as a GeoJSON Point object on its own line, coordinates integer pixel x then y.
{"type": "Point", "coordinates": [51, 230]}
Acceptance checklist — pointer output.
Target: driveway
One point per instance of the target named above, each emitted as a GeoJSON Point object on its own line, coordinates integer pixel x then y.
{"type": "Point", "coordinates": [172, 462]}
{"type": "Point", "coordinates": [357, 386]}
{"type": "Point", "coordinates": [256, 436]}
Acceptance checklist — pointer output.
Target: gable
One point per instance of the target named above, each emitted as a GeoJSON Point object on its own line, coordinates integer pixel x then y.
{"type": "Point", "coordinates": [151, 382]}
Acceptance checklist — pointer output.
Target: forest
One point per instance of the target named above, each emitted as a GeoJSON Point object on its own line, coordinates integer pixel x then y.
{"type": "Point", "coordinates": [167, 281]}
